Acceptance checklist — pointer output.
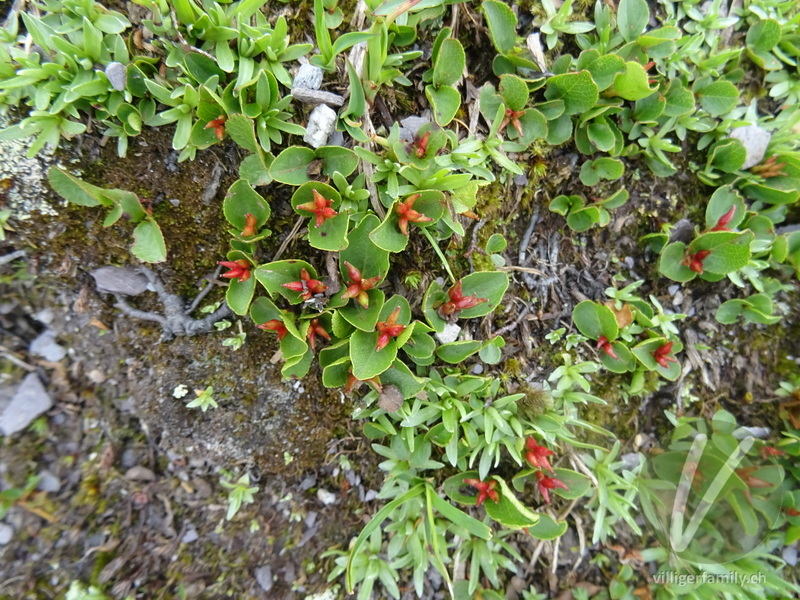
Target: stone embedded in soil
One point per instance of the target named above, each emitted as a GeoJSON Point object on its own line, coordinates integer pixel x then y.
{"type": "Point", "coordinates": [48, 482]}
{"type": "Point", "coordinates": [29, 401]}
{"type": "Point", "coordinates": [6, 534]}
{"type": "Point", "coordinates": [119, 280]}
{"type": "Point", "coordinates": [321, 124]}
{"type": "Point", "coordinates": [264, 577]}
{"type": "Point", "coordinates": [140, 473]}
{"type": "Point", "coordinates": [190, 536]}
{"type": "Point", "coordinates": [789, 554]}
{"type": "Point", "coordinates": [45, 346]}
{"type": "Point", "coordinates": [326, 497]}
{"type": "Point", "coordinates": [308, 76]}
{"type": "Point", "coordinates": [755, 141]}
{"type": "Point", "coordinates": [450, 333]}
{"type": "Point", "coordinates": [117, 74]}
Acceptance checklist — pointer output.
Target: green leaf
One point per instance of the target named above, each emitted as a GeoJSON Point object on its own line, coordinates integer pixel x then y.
{"type": "Point", "coordinates": [242, 131]}
{"type": "Point", "coordinates": [502, 25]}
{"type": "Point", "coordinates": [460, 518]}
{"type": "Point", "coordinates": [148, 244]}
{"type": "Point", "coordinates": [632, 18]}
{"type": "Point", "coordinates": [496, 243]}
{"type": "Point", "coordinates": [633, 84]}
{"type": "Point", "coordinates": [680, 100]}
{"type": "Point", "coordinates": [578, 91]}
{"type": "Point", "coordinates": [718, 98]}
{"type": "Point", "coordinates": [764, 35]}
{"type": "Point", "coordinates": [577, 483]}
{"type": "Point", "coordinates": [660, 43]}
{"type": "Point", "coordinates": [362, 253]}
{"type": "Point", "coordinates": [75, 190]}
{"type": "Point", "coordinates": [514, 92]}
{"type": "Point", "coordinates": [263, 309]}
{"type": "Point", "coordinates": [669, 263]}
{"type": "Point", "coordinates": [595, 320]}
{"type": "Point", "coordinates": [582, 219]}
{"type": "Point", "coordinates": [367, 361]}
{"type": "Point", "coordinates": [332, 234]}
{"type": "Point", "coordinates": [547, 528]}
{"type": "Point", "coordinates": [242, 199]}
{"type": "Point", "coordinates": [727, 155]}
{"type": "Point", "coordinates": [336, 159]}
{"type": "Point", "coordinates": [450, 63]}
{"type": "Point", "coordinates": [255, 168]}
{"type": "Point", "coordinates": [604, 167]}
{"type": "Point", "coordinates": [360, 317]}
{"type": "Point", "coordinates": [388, 236]}
{"type": "Point", "coordinates": [603, 68]}
{"type": "Point", "coordinates": [273, 275]}
{"type": "Point", "coordinates": [375, 524]}
{"type": "Point", "coordinates": [239, 294]}
{"type": "Point", "coordinates": [625, 361]}
{"type": "Point", "coordinates": [509, 511]}
{"type": "Point", "coordinates": [456, 352]}
{"type": "Point", "coordinates": [728, 257]}
{"type": "Point", "coordinates": [445, 102]}
{"type": "Point", "coordinates": [291, 165]}
{"type": "Point", "coordinates": [721, 202]}
{"type": "Point", "coordinates": [491, 285]}
{"type": "Point", "coordinates": [491, 352]}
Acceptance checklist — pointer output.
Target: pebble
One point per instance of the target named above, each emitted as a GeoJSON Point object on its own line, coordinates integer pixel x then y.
{"type": "Point", "coordinates": [336, 139]}
{"type": "Point", "coordinates": [789, 554]}
{"type": "Point", "coordinates": [48, 482]}
{"type": "Point", "coordinates": [140, 473]}
{"type": "Point", "coordinates": [29, 401]}
{"type": "Point", "coordinates": [450, 333]}
{"type": "Point", "coordinates": [308, 76]}
{"type": "Point", "coordinates": [308, 483]}
{"type": "Point", "coordinates": [190, 536]}
{"type": "Point", "coordinates": [326, 497]}
{"type": "Point", "coordinates": [45, 346]}
{"type": "Point", "coordinates": [321, 123]}
{"type": "Point", "coordinates": [117, 75]}
{"type": "Point", "coordinates": [129, 458]}
{"type": "Point", "coordinates": [673, 289]}
{"type": "Point", "coordinates": [96, 376]}
{"type": "Point", "coordinates": [413, 123]}
{"type": "Point", "coordinates": [370, 495]}
{"type": "Point", "coordinates": [119, 280]}
{"type": "Point", "coordinates": [477, 369]}
{"type": "Point", "coordinates": [44, 316]}
{"type": "Point", "coordinates": [6, 534]}
{"type": "Point", "coordinates": [521, 180]}
{"type": "Point", "coordinates": [755, 141]}
{"type": "Point", "coordinates": [264, 577]}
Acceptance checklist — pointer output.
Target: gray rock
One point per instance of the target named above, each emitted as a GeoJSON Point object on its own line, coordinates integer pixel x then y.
{"type": "Point", "coordinates": [140, 473]}
{"type": "Point", "coordinates": [413, 123]}
{"type": "Point", "coordinates": [29, 401]}
{"type": "Point", "coordinates": [326, 497]}
{"type": "Point", "coordinates": [117, 74]}
{"type": "Point", "coordinates": [477, 369]}
{"type": "Point", "coordinates": [308, 76]}
{"type": "Point", "coordinates": [307, 96]}
{"type": "Point", "coordinates": [449, 334]}
{"type": "Point", "coordinates": [631, 460]}
{"type": "Point", "coordinates": [321, 124]}
{"type": "Point", "coordinates": [336, 139]}
{"type": "Point", "coordinates": [264, 577]}
{"type": "Point", "coordinates": [190, 536]}
{"type": "Point", "coordinates": [45, 346]}
{"type": "Point", "coordinates": [48, 482]}
{"type": "Point", "coordinates": [521, 180]}
{"type": "Point", "coordinates": [755, 141]}
{"type": "Point", "coordinates": [44, 316]}
{"type": "Point", "coordinates": [119, 280]}
{"type": "Point", "coordinates": [789, 554]}
{"type": "Point", "coordinates": [6, 534]}
{"type": "Point", "coordinates": [308, 483]}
